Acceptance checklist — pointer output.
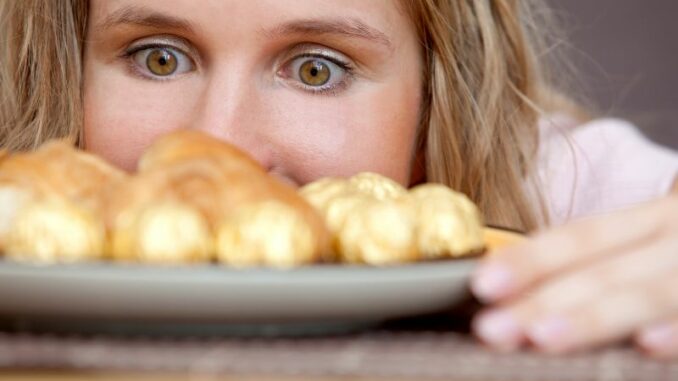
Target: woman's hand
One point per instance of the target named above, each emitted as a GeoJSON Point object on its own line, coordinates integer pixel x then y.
{"type": "Point", "coordinates": [591, 282]}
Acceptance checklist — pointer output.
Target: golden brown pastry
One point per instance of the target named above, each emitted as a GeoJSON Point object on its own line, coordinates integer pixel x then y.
{"type": "Point", "coordinates": [379, 233]}
{"type": "Point", "coordinates": [239, 179]}
{"type": "Point", "coordinates": [448, 223]}
{"type": "Point", "coordinates": [223, 184]}
{"type": "Point", "coordinates": [336, 213]}
{"type": "Point", "coordinates": [366, 217]}
{"type": "Point", "coordinates": [267, 233]}
{"type": "Point", "coordinates": [59, 169]}
{"type": "Point", "coordinates": [53, 230]}
{"type": "Point", "coordinates": [70, 183]}
{"type": "Point", "coordinates": [162, 232]}
{"type": "Point", "coordinates": [377, 186]}
{"type": "Point", "coordinates": [335, 197]}
{"type": "Point", "coordinates": [320, 192]}
{"type": "Point", "coordinates": [374, 220]}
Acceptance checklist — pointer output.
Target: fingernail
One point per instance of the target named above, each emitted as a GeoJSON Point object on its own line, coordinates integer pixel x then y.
{"type": "Point", "coordinates": [499, 329]}
{"type": "Point", "coordinates": [550, 334]}
{"type": "Point", "coordinates": [491, 282]}
{"type": "Point", "coordinates": [656, 337]}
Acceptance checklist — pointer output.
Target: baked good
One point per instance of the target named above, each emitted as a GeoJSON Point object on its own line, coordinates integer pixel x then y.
{"type": "Point", "coordinates": [224, 185]}
{"type": "Point", "coordinates": [67, 184]}
{"type": "Point", "coordinates": [376, 221]}
{"type": "Point", "coordinates": [52, 230]}
{"type": "Point", "coordinates": [448, 223]}
{"type": "Point", "coordinates": [164, 231]}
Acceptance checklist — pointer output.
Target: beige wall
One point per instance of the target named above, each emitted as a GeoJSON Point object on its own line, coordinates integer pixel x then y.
{"type": "Point", "coordinates": [627, 52]}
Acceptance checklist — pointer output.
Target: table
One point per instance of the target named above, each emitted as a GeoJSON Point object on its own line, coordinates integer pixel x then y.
{"type": "Point", "coordinates": [121, 376]}
{"type": "Point", "coordinates": [373, 355]}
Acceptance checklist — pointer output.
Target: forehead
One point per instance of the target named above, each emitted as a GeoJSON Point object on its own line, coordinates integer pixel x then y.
{"type": "Point", "coordinates": [379, 19]}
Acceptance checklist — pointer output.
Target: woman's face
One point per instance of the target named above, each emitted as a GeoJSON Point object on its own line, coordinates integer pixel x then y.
{"type": "Point", "coordinates": [309, 88]}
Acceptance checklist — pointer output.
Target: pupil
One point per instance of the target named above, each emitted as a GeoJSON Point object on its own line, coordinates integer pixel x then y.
{"type": "Point", "coordinates": [314, 71]}
{"type": "Point", "coordinates": [162, 61]}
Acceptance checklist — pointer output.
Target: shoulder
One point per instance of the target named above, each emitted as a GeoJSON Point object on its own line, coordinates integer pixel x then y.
{"type": "Point", "coordinates": [600, 166]}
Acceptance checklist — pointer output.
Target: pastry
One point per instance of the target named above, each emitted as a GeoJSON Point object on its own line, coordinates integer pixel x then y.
{"type": "Point", "coordinates": [268, 233]}
{"type": "Point", "coordinates": [374, 220]}
{"type": "Point", "coordinates": [363, 214]}
{"type": "Point", "coordinates": [379, 233]}
{"type": "Point", "coordinates": [377, 186]}
{"type": "Point", "coordinates": [53, 230]}
{"type": "Point", "coordinates": [224, 185]}
{"type": "Point", "coordinates": [162, 232]}
{"type": "Point", "coordinates": [68, 183]}
{"type": "Point", "coordinates": [448, 223]}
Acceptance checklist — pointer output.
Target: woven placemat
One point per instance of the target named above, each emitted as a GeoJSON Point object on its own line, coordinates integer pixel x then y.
{"type": "Point", "coordinates": [378, 353]}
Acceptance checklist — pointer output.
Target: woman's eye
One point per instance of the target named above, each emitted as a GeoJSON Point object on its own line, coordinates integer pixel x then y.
{"type": "Point", "coordinates": [161, 61]}
{"type": "Point", "coordinates": [314, 73]}
{"type": "Point", "coordinates": [317, 73]}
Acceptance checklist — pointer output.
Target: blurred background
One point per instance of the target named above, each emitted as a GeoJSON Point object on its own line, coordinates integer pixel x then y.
{"type": "Point", "coordinates": [627, 57]}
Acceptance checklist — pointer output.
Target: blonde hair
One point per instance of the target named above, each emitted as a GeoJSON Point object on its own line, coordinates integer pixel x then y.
{"type": "Point", "coordinates": [40, 71]}
{"type": "Point", "coordinates": [484, 89]}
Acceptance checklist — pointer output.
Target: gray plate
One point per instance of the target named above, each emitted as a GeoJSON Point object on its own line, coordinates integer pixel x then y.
{"type": "Point", "coordinates": [210, 294]}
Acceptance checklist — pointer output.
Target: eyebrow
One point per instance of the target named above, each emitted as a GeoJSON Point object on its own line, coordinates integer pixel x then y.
{"type": "Point", "coordinates": [349, 27]}
{"type": "Point", "coordinates": [142, 16]}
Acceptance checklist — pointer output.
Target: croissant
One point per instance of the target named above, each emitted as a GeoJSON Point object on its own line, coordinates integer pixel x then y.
{"type": "Point", "coordinates": [59, 169]}
{"type": "Point", "coordinates": [51, 204]}
{"type": "Point", "coordinates": [228, 188]}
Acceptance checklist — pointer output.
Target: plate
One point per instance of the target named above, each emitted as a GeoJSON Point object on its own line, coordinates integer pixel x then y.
{"type": "Point", "coordinates": [210, 294]}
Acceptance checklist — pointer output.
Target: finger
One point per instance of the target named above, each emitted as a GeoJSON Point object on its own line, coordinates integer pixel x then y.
{"type": "Point", "coordinates": [609, 319]}
{"type": "Point", "coordinates": [660, 340]}
{"type": "Point", "coordinates": [508, 272]}
{"type": "Point", "coordinates": [634, 267]}
{"type": "Point", "coordinates": [500, 329]}
{"type": "Point", "coordinates": [508, 327]}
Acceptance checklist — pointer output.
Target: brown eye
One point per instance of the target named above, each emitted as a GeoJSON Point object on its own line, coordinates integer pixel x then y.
{"type": "Point", "coordinates": [161, 62]}
{"type": "Point", "coordinates": [318, 73]}
{"type": "Point", "coordinates": [314, 73]}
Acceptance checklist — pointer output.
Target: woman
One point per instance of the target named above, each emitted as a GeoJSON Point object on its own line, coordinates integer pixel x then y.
{"type": "Point", "coordinates": [445, 91]}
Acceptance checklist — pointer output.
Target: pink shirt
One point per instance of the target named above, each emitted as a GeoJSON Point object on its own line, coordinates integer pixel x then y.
{"type": "Point", "coordinates": [600, 166]}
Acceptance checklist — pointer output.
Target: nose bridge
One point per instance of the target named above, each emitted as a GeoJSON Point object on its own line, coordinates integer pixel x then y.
{"type": "Point", "coordinates": [227, 109]}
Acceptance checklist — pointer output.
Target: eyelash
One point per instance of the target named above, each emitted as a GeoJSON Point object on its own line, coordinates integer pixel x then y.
{"type": "Point", "coordinates": [333, 90]}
